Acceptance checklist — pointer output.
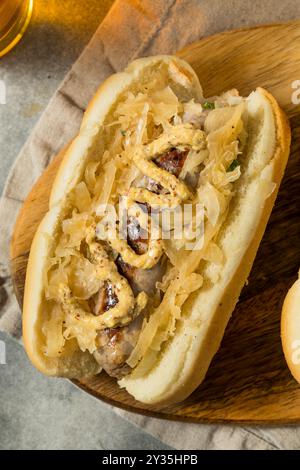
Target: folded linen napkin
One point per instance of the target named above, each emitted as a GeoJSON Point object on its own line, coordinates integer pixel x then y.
{"type": "Point", "coordinates": [134, 28]}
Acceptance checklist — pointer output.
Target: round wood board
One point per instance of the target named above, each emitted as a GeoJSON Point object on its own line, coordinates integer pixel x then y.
{"type": "Point", "coordinates": [248, 380]}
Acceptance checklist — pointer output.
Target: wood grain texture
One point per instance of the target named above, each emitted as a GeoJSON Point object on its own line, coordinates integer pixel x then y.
{"type": "Point", "coordinates": [248, 380]}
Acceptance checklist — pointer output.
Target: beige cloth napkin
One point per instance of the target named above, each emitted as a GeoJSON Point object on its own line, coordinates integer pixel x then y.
{"type": "Point", "coordinates": [134, 28]}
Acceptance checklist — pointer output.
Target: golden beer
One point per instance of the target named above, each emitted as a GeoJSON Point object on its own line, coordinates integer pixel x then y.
{"type": "Point", "coordinates": [14, 19]}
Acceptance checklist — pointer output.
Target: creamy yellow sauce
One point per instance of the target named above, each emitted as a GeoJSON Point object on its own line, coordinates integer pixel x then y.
{"type": "Point", "coordinates": [77, 320]}
{"type": "Point", "coordinates": [123, 312]}
{"type": "Point", "coordinates": [182, 135]}
{"type": "Point", "coordinates": [128, 307]}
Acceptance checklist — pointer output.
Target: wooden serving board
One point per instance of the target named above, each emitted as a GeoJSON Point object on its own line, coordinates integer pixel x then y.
{"type": "Point", "coordinates": [248, 380]}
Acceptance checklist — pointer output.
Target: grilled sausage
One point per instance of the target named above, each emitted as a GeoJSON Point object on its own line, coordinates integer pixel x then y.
{"type": "Point", "coordinates": [116, 344]}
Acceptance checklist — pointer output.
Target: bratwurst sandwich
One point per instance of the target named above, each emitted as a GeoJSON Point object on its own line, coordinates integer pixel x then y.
{"type": "Point", "coordinates": [123, 291]}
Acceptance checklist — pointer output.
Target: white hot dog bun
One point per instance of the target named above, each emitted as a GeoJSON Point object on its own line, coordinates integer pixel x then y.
{"type": "Point", "coordinates": [290, 329]}
{"type": "Point", "coordinates": [172, 342]}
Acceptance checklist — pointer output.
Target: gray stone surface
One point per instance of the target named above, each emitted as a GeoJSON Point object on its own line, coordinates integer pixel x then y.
{"type": "Point", "coordinates": [37, 412]}
{"type": "Point", "coordinates": [41, 413]}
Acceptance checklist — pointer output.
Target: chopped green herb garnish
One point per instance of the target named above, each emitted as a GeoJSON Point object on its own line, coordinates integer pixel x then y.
{"type": "Point", "coordinates": [233, 165]}
{"type": "Point", "coordinates": [123, 133]}
{"type": "Point", "coordinates": [208, 105]}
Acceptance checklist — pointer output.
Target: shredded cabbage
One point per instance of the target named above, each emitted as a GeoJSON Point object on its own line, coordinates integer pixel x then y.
{"type": "Point", "coordinates": [193, 162]}
{"type": "Point", "coordinates": [223, 127]}
{"type": "Point", "coordinates": [193, 113]}
{"type": "Point", "coordinates": [53, 330]}
{"type": "Point", "coordinates": [75, 229]}
{"type": "Point", "coordinates": [90, 175]}
{"type": "Point", "coordinates": [82, 197]}
{"type": "Point", "coordinates": [212, 200]}
{"type": "Point", "coordinates": [83, 278]}
{"type": "Point", "coordinates": [106, 187]}
{"type": "Point", "coordinates": [161, 324]}
{"type": "Point", "coordinates": [138, 119]}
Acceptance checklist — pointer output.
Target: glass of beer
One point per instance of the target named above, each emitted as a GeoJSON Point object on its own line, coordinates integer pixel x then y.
{"type": "Point", "coordinates": [14, 18]}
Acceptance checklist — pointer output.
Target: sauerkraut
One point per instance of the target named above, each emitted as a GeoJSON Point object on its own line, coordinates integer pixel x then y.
{"type": "Point", "coordinates": [144, 124]}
